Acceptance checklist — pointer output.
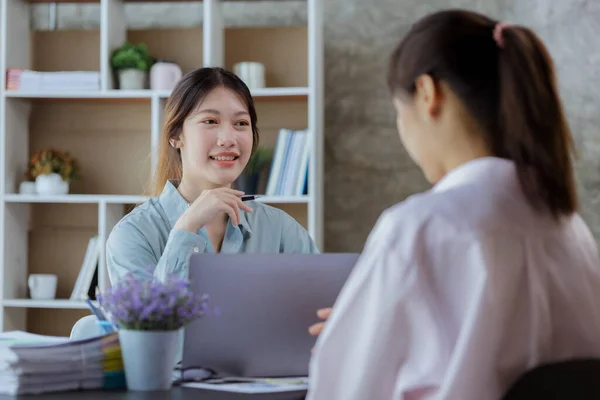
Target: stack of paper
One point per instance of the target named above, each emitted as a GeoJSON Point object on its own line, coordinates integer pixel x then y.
{"type": "Point", "coordinates": [32, 364]}
{"type": "Point", "coordinates": [252, 385]}
{"type": "Point", "coordinates": [31, 81]}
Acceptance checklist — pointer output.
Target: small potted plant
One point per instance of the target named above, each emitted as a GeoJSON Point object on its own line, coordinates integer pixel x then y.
{"type": "Point", "coordinates": [150, 315]}
{"type": "Point", "coordinates": [131, 62]}
{"type": "Point", "coordinates": [248, 180]}
{"type": "Point", "coordinates": [53, 171]}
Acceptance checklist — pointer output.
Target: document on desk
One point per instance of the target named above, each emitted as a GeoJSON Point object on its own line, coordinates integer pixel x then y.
{"type": "Point", "coordinates": [22, 338]}
{"type": "Point", "coordinates": [33, 364]}
{"type": "Point", "coordinates": [250, 385]}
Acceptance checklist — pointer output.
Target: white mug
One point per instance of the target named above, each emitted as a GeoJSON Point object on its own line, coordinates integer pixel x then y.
{"type": "Point", "coordinates": [42, 286]}
{"type": "Point", "coordinates": [252, 73]}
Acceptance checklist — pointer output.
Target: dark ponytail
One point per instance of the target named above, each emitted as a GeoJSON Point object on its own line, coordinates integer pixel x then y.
{"type": "Point", "coordinates": [509, 87]}
{"type": "Point", "coordinates": [535, 131]}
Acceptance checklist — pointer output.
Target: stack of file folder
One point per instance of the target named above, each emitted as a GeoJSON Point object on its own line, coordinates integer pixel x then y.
{"type": "Point", "coordinates": [38, 81]}
{"type": "Point", "coordinates": [33, 364]}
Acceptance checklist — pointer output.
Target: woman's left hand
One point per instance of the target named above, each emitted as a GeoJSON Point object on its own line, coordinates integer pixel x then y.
{"type": "Point", "coordinates": [317, 328]}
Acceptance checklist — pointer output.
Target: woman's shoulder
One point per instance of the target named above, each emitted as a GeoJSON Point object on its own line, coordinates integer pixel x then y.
{"type": "Point", "coordinates": [408, 220]}
{"type": "Point", "coordinates": [454, 215]}
{"type": "Point", "coordinates": [147, 216]}
{"type": "Point", "coordinates": [416, 208]}
{"type": "Point", "coordinates": [262, 212]}
{"type": "Point", "coordinates": [273, 223]}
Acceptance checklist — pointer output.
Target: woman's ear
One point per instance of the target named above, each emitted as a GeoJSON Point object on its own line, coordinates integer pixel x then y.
{"type": "Point", "coordinates": [428, 97]}
{"type": "Point", "coordinates": [175, 143]}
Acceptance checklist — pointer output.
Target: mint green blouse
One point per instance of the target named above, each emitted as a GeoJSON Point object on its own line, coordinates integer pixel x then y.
{"type": "Point", "coordinates": [145, 243]}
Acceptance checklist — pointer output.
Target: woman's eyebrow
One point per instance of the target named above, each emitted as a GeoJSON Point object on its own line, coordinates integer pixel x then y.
{"type": "Point", "coordinates": [212, 111]}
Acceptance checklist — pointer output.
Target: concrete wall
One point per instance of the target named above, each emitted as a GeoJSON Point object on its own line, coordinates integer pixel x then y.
{"type": "Point", "coordinates": [366, 168]}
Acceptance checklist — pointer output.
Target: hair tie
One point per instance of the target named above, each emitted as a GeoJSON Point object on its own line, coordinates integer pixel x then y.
{"type": "Point", "coordinates": [498, 30]}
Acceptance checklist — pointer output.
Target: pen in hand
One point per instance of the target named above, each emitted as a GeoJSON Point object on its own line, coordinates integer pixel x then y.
{"type": "Point", "coordinates": [98, 313]}
{"type": "Point", "coordinates": [250, 197]}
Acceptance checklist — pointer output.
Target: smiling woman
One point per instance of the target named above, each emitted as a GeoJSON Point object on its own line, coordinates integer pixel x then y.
{"type": "Point", "coordinates": [210, 115]}
{"type": "Point", "coordinates": [209, 135]}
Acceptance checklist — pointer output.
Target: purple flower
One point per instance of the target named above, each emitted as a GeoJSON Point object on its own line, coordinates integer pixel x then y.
{"type": "Point", "coordinates": [142, 304]}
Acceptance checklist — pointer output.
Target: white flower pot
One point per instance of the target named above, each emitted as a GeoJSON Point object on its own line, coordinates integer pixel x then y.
{"type": "Point", "coordinates": [149, 358]}
{"type": "Point", "coordinates": [51, 184]}
{"type": "Point", "coordinates": [132, 79]}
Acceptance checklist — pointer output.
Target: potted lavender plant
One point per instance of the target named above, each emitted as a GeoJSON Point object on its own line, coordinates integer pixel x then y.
{"type": "Point", "coordinates": [150, 316]}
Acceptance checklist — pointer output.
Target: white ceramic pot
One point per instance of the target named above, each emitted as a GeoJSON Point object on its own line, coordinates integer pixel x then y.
{"type": "Point", "coordinates": [51, 184]}
{"type": "Point", "coordinates": [164, 75]}
{"type": "Point", "coordinates": [252, 73]}
{"type": "Point", "coordinates": [132, 79]}
{"type": "Point", "coordinates": [149, 358]}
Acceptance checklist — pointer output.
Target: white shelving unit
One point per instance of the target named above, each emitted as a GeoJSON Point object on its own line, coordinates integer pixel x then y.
{"type": "Point", "coordinates": [115, 135]}
{"type": "Point", "coordinates": [148, 94]}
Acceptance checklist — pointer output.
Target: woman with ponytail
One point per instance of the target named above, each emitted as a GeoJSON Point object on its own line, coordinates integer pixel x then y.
{"type": "Point", "coordinates": [463, 288]}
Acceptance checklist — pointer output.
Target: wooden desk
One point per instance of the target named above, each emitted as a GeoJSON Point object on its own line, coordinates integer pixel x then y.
{"type": "Point", "coordinates": [177, 393]}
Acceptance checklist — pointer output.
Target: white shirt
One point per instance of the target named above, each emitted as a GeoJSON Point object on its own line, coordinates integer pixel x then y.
{"type": "Point", "coordinates": [458, 291]}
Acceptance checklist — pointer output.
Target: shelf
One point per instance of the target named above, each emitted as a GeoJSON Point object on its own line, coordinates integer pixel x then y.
{"type": "Point", "coordinates": [136, 1]}
{"type": "Point", "coordinates": [281, 92]}
{"type": "Point", "coordinates": [295, 93]}
{"type": "Point", "coordinates": [265, 93]}
{"type": "Point", "coordinates": [83, 95]}
{"type": "Point", "coordinates": [28, 303]}
{"type": "Point", "coordinates": [75, 198]}
{"type": "Point", "coordinates": [123, 199]}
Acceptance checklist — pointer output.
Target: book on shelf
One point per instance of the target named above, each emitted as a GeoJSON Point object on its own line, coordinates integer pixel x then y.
{"type": "Point", "coordinates": [288, 175]}
{"type": "Point", "coordinates": [34, 364]}
{"type": "Point", "coordinates": [87, 280]}
{"type": "Point", "coordinates": [25, 80]}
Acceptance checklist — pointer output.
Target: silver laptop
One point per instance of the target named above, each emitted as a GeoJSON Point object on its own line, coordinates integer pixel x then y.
{"type": "Point", "coordinates": [264, 305]}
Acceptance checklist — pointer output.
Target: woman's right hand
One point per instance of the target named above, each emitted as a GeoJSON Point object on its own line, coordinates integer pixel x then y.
{"type": "Point", "coordinates": [208, 205]}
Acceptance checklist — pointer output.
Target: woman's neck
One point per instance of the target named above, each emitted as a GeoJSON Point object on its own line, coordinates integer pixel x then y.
{"type": "Point", "coordinates": [464, 154]}
{"type": "Point", "coordinates": [464, 142]}
{"type": "Point", "coordinates": [215, 228]}
{"type": "Point", "coordinates": [192, 190]}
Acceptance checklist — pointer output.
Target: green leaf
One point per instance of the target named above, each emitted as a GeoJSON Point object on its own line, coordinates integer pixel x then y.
{"type": "Point", "coordinates": [131, 55]}
{"type": "Point", "coordinates": [258, 161]}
